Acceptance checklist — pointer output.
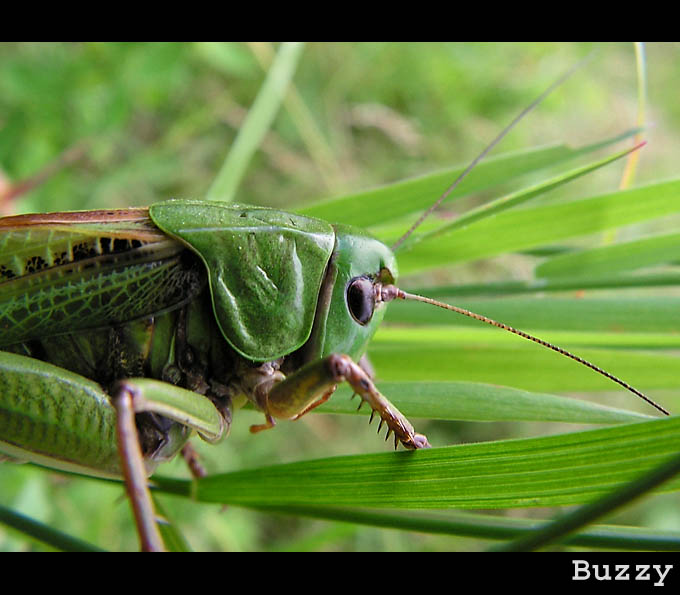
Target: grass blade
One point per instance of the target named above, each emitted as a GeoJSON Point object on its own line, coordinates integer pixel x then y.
{"type": "Point", "coordinates": [173, 539]}
{"type": "Point", "coordinates": [505, 288]}
{"type": "Point", "coordinates": [526, 228]}
{"type": "Point", "coordinates": [548, 471]}
{"type": "Point", "coordinates": [624, 315]}
{"type": "Point", "coordinates": [433, 354]}
{"type": "Point", "coordinates": [517, 198]}
{"type": "Point", "coordinates": [482, 402]}
{"type": "Point", "coordinates": [260, 118]}
{"type": "Point", "coordinates": [44, 533]}
{"type": "Point", "coordinates": [557, 530]}
{"type": "Point", "coordinates": [626, 256]}
{"type": "Point", "coordinates": [375, 206]}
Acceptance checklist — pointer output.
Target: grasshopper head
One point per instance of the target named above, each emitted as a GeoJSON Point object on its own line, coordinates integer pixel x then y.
{"type": "Point", "coordinates": [359, 267]}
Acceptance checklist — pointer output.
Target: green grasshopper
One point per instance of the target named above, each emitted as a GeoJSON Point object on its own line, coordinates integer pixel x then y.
{"type": "Point", "coordinates": [122, 332]}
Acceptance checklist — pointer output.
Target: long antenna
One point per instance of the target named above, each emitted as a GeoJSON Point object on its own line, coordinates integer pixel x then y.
{"type": "Point", "coordinates": [489, 147]}
{"type": "Point", "coordinates": [390, 292]}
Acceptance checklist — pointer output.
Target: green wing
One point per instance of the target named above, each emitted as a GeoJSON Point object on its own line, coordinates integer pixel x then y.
{"type": "Point", "coordinates": [265, 269]}
{"type": "Point", "coordinates": [63, 272]}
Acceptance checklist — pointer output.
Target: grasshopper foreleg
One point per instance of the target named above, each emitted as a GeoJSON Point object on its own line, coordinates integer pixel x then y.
{"type": "Point", "coordinates": [271, 422]}
{"type": "Point", "coordinates": [313, 384]}
{"type": "Point", "coordinates": [343, 368]}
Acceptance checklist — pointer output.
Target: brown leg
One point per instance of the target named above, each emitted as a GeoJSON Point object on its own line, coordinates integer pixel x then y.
{"type": "Point", "coordinates": [321, 401]}
{"type": "Point", "coordinates": [132, 463]}
{"type": "Point", "coordinates": [192, 460]}
{"type": "Point", "coordinates": [343, 368]}
{"type": "Point", "coordinates": [313, 384]}
{"type": "Point", "coordinates": [270, 423]}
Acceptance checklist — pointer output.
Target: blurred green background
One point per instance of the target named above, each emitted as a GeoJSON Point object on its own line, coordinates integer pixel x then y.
{"type": "Point", "coordinates": [156, 120]}
{"type": "Point", "coordinates": [138, 122]}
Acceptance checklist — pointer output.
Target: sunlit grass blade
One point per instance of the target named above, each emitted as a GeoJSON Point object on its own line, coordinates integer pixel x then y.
{"type": "Point", "coordinates": [504, 288]}
{"type": "Point", "coordinates": [618, 314]}
{"type": "Point", "coordinates": [258, 121]}
{"type": "Point", "coordinates": [517, 198]}
{"type": "Point", "coordinates": [626, 256]}
{"type": "Point", "coordinates": [374, 207]}
{"type": "Point", "coordinates": [526, 228]}
{"type": "Point", "coordinates": [479, 337]}
{"type": "Point", "coordinates": [482, 402]}
{"type": "Point", "coordinates": [490, 356]}
{"type": "Point", "coordinates": [549, 471]}
{"type": "Point", "coordinates": [570, 522]}
{"type": "Point", "coordinates": [44, 533]}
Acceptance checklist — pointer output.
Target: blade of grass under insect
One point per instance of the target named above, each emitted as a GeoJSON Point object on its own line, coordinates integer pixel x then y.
{"type": "Point", "coordinates": [483, 526]}
{"type": "Point", "coordinates": [626, 256]}
{"type": "Point", "coordinates": [550, 471]}
{"type": "Point", "coordinates": [44, 533]}
{"type": "Point", "coordinates": [526, 228]}
{"type": "Point", "coordinates": [374, 207]}
{"type": "Point", "coordinates": [258, 121]}
{"type": "Point", "coordinates": [504, 288]}
{"type": "Point", "coordinates": [454, 523]}
{"type": "Point", "coordinates": [517, 198]}
{"type": "Point", "coordinates": [639, 314]}
{"type": "Point", "coordinates": [557, 530]}
{"type": "Point", "coordinates": [481, 402]}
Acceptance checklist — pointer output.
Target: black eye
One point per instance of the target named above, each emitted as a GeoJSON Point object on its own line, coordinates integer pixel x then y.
{"type": "Point", "coordinates": [361, 299]}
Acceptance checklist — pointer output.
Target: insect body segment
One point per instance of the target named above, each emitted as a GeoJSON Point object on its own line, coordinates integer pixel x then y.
{"type": "Point", "coordinates": [272, 309]}
{"type": "Point", "coordinates": [179, 315]}
{"type": "Point", "coordinates": [265, 269]}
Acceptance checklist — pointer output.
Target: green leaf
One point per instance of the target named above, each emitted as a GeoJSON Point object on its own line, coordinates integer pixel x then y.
{"type": "Point", "coordinates": [482, 402]}
{"type": "Point", "coordinates": [526, 228]}
{"type": "Point", "coordinates": [626, 256]}
{"type": "Point", "coordinates": [517, 198]}
{"type": "Point", "coordinates": [374, 207]}
{"type": "Point", "coordinates": [613, 314]}
{"type": "Point", "coordinates": [505, 288]}
{"type": "Point", "coordinates": [488, 355]}
{"type": "Point", "coordinates": [557, 470]}
{"type": "Point", "coordinates": [487, 526]}
{"type": "Point", "coordinates": [568, 523]}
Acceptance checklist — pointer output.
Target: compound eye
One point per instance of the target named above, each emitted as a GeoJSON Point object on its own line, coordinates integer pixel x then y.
{"type": "Point", "coordinates": [361, 299]}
